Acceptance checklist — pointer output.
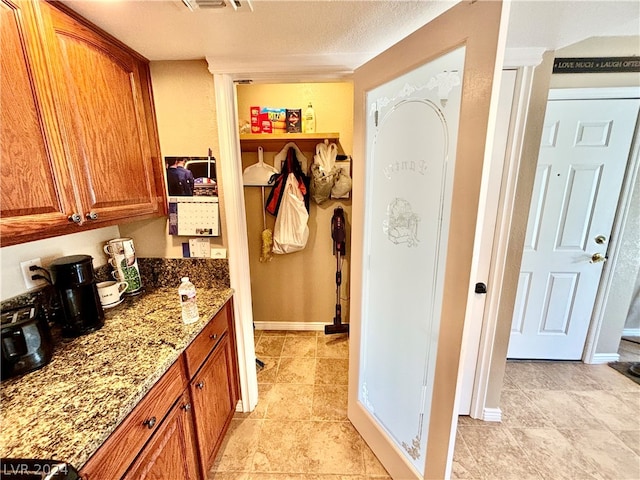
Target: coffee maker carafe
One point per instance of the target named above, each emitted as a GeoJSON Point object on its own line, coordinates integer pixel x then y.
{"type": "Point", "coordinates": [74, 279]}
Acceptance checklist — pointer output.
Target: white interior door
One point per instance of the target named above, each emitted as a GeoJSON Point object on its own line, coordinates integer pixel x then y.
{"type": "Point", "coordinates": [421, 117]}
{"type": "Point", "coordinates": [584, 152]}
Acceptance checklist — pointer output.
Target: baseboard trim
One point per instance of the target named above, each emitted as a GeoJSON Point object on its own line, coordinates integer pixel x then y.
{"type": "Point", "coordinates": [605, 358]}
{"type": "Point", "coordinates": [293, 326]}
{"type": "Point", "coordinates": [631, 332]}
{"type": "Point", "coordinates": [492, 414]}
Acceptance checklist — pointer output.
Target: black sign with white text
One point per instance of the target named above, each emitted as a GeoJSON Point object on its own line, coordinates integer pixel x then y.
{"type": "Point", "coordinates": [596, 65]}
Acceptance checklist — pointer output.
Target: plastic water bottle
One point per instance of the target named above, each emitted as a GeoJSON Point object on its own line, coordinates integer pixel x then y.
{"type": "Point", "coordinates": [187, 292]}
{"type": "Point", "coordinates": [310, 120]}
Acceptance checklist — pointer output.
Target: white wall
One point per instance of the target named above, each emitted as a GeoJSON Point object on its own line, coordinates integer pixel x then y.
{"type": "Point", "coordinates": [633, 317]}
{"type": "Point", "coordinates": [86, 243]}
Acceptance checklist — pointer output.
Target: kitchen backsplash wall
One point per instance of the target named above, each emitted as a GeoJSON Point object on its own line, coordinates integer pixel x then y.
{"type": "Point", "coordinates": [86, 243]}
{"type": "Point", "coordinates": [155, 273]}
{"type": "Point", "coordinates": [167, 272]}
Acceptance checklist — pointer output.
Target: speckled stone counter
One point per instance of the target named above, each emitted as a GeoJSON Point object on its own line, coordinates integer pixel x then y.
{"type": "Point", "coordinates": [67, 409]}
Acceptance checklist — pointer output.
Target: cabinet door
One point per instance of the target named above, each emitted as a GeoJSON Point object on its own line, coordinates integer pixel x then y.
{"type": "Point", "coordinates": [36, 195]}
{"type": "Point", "coordinates": [171, 453]}
{"type": "Point", "coordinates": [213, 401]}
{"type": "Point", "coordinates": [105, 120]}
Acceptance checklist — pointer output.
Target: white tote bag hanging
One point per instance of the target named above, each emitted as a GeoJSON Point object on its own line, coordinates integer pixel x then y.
{"type": "Point", "coordinates": [291, 231]}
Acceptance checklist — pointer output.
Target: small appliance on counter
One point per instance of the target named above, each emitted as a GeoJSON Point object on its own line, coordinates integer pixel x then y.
{"type": "Point", "coordinates": [74, 279]}
{"type": "Point", "coordinates": [26, 340]}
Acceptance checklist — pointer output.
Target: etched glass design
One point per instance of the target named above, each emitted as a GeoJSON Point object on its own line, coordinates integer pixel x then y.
{"type": "Point", "coordinates": [412, 125]}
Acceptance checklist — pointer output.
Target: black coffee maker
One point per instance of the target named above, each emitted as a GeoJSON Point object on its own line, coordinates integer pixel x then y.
{"type": "Point", "coordinates": [74, 279]}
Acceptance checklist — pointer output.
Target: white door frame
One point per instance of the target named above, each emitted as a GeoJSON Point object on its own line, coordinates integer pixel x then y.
{"type": "Point", "coordinates": [234, 219]}
{"type": "Point", "coordinates": [525, 61]}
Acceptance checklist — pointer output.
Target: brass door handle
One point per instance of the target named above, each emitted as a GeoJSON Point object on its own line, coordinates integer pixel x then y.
{"type": "Point", "coordinates": [597, 258]}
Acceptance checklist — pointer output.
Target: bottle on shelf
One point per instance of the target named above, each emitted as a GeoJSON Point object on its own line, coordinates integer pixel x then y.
{"type": "Point", "coordinates": [310, 119]}
{"type": "Point", "coordinates": [187, 293]}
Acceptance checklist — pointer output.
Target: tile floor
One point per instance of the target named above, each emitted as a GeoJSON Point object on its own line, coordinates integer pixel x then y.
{"type": "Point", "coordinates": [561, 421]}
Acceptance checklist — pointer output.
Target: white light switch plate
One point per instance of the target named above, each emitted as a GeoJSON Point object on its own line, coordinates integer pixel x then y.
{"type": "Point", "coordinates": [199, 247]}
{"type": "Point", "coordinates": [218, 252]}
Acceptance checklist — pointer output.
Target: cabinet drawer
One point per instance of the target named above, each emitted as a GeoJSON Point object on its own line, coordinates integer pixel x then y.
{"type": "Point", "coordinates": [200, 348]}
{"type": "Point", "coordinates": [118, 452]}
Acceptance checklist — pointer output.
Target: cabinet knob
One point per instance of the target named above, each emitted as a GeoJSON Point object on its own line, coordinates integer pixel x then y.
{"type": "Point", "coordinates": [92, 216]}
{"type": "Point", "coordinates": [200, 385]}
{"type": "Point", "coordinates": [186, 407]}
{"type": "Point", "coordinates": [150, 422]}
{"type": "Point", "coordinates": [213, 336]}
{"type": "Point", "coordinates": [75, 218]}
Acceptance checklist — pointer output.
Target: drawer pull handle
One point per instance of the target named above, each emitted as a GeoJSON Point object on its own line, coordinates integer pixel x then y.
{"type": "Point", "coordinates": [213, 336]}
{"type": "Point", "coordinates": [200, 385]}
{"type": "Point", "coordinates": [150, 422]}
{"type": "Point", "coordinates": [186, 407]}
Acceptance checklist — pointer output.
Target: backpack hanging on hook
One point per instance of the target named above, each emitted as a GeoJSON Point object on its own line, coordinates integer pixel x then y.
{"type": "Point", "coordinates": [279, 180]}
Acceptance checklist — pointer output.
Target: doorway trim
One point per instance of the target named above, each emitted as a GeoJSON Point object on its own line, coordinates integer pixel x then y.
{"type": "Point", "coordinates": [519, 113]}
{"type": "Point", "coordinates": [233, 210]}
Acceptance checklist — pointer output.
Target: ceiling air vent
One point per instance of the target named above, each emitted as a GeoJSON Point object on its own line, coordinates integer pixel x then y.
{"type": "Point", "coordinates": [238, 5]}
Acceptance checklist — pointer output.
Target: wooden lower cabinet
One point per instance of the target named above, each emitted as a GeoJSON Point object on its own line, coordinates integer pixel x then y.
{"type": "Point", "coordinates": [213, 401]}
{"type": "Point", "coordinates": [171, 453]}
{"type": "Point", "coordinates": [176, 430]}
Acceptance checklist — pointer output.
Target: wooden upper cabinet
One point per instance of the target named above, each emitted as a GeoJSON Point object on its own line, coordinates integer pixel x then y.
{"type": "Point", "coordinates": [105, 120]}
{"type": "Point", "coordinates": [79, 140]}
{"type": "Point", "coordinates": [35, 188]}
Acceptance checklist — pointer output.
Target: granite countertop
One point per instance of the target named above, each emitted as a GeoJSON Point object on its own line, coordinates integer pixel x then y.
{"type": "Point", "coordinates": [67, 409]}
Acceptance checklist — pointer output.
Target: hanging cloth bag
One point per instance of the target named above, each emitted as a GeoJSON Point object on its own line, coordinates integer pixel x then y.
{"type": "Point", "coordinates": [291, 231]}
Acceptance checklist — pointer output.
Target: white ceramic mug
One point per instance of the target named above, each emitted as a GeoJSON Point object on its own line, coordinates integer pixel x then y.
{"type": "Point", "coordinates": [116, 261]}
{"type": "Point", "coordinates": [121, 247]}
{"type": "Point", "coordinates": [110, 292]}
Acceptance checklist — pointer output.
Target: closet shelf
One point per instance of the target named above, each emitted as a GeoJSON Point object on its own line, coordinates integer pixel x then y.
{"type": "Point", "coordinates": [249, 142]}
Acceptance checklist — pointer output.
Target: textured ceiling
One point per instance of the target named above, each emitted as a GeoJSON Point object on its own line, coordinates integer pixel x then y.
{"type": "Point", "coordinates": [330, 36]}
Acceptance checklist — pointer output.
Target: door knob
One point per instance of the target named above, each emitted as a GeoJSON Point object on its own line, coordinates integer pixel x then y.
{"type": "Point", "coordinates": [600, 239]}
{"type": "Point", "coordinates": [597, 258]}
{"type": "Point", "coordinates": [481, 288]}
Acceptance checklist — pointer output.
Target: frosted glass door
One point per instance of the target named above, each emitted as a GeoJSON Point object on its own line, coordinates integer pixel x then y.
{"type": "Point", "coordinates": [411, 134]}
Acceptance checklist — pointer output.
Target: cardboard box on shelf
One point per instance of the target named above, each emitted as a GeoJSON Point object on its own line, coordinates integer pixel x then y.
{"type": "Point", "coordinates": [294, 120]}
{"type": "Point", "coordinates": [255, 119]}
